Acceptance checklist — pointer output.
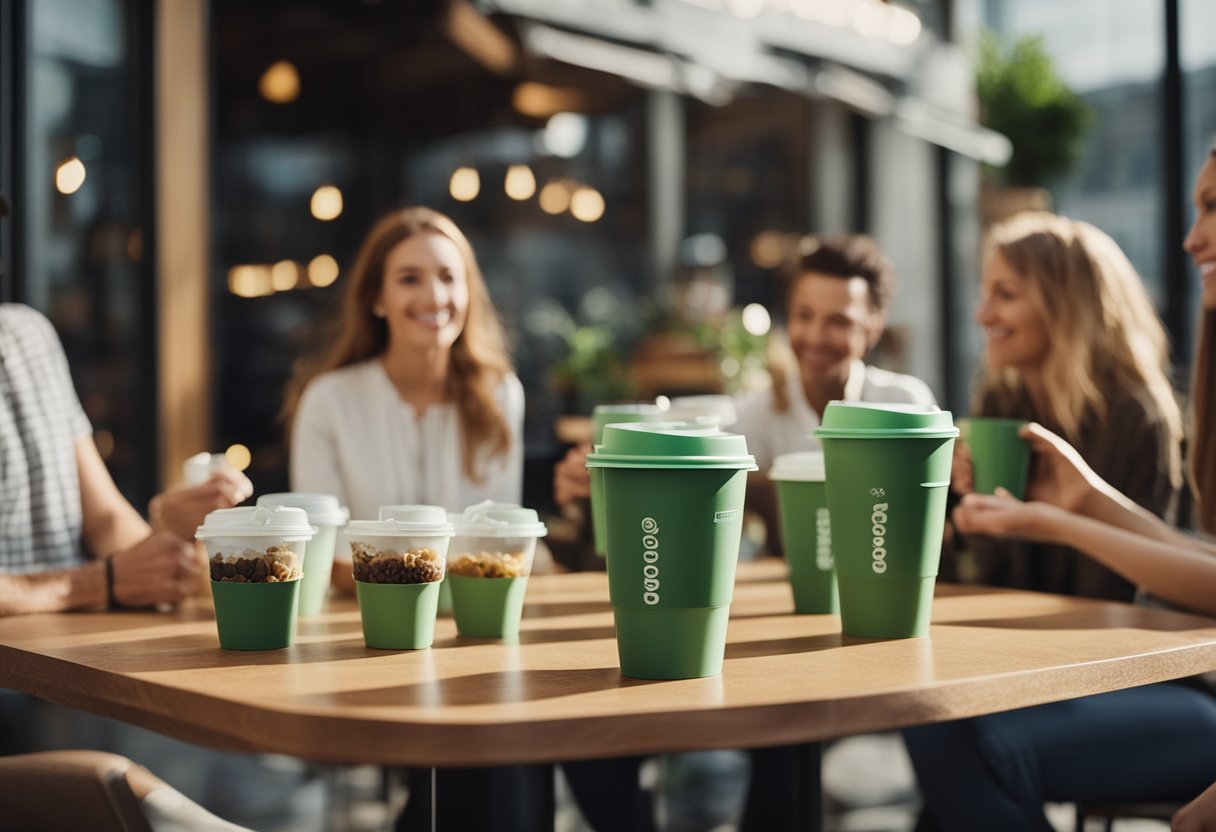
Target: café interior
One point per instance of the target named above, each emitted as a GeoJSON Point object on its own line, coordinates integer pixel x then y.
{"type": "Point", "coordinates": [187, 187]}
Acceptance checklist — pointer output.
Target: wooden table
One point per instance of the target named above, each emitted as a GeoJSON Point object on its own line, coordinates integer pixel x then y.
{"type": "Point", "coordinates": [557, 694]}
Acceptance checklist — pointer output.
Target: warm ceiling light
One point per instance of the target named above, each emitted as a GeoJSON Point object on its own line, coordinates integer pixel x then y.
{"type": "Point", "coordinates": [768, 249]}
{"type": "Point", "coordinates": [465, 184]}
{"type": "Point", "coordinates": [520, 183]}
{"type": "Point", "coordinates": [250, 281]}
{"type": "Point", "coordinates": [554, 198]}
{"type": "Point", "coordinates": [322, 270]}
{"type": "Point", "coordinates": [280, 83]}
{"type": "Point", "coordinates": [238, 456]}
{"type": "Point", "coordinates": [587, 204]}
{"type": "Point", "coordinates": [542, 100]}
{"type": "Point", "coordinates": [284, 275]}
{"type": "Point", "coordinates": [326, 203]}
{"type": "Point", "coordinates": [69, 176]}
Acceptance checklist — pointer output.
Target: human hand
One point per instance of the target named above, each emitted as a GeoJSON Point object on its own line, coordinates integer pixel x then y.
{"type": "Point", "coordinates": [571, 479]}
{"type": "Point", "coordinates": [161, 568]}
{"type": "Point", "coordinates": [1197, 816]}
{"type": "Point", "coordinates": [1003, 515]}
{"type": "Point", "coordinates": [962, 477]}
{"type": "Point", "coordinates": [1058, 474]}
{"type": "Point", "coordinates": [181, 510]}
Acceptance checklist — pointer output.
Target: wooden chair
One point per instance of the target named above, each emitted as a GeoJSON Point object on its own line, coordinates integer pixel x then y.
{"type": "Point", "coordinates": [71, 790]}
{"type": "Point", "coordinates": [1110, 812]}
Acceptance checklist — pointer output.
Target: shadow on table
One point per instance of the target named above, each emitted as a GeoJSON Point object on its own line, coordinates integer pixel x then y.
{"type": "Point", "coordinates": [784, 646]}
{"type": "Point", "coordinates": [480, 689]}
{"type": "Point", "coordinates": [197, 651]}
{"type": "Point", "coordinates": [553, 609]}
{"type": "Point", "coordinates": [1131, 618]}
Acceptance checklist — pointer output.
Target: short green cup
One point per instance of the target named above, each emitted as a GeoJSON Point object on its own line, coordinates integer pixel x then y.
{"type": "Point", "coordinates": [490, 559]}
{"type": "Point", "coordinates": [327, 515]}
{"type": "Point", "coordinates": [255, 616]}
{"type": "Point", "coordinates": [674, 509]}
{"type": "Point", "coordinates": [255, 555]}
{"type": "Point", "coordinates": [999, 457]}
{"type": "Point", "coordinates": [398, 616]}
{"type": "Point", "coordinates": [488, 607]}
{"type": "Point", "coordinates": [606, 414]}
{"type": "Point", "coordinates": [399, 563]}
{"type": "Point", "coordinates": [806, 531]}
{"type": "Point", "coordinates": [888, 474]}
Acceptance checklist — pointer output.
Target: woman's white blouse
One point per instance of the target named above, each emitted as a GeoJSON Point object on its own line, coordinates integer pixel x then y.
{"type": "Point", "coordinates": [354, 437]}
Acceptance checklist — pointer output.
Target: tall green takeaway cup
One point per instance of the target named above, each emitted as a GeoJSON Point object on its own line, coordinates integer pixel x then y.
{"type": "Point", "coordinates": [999, 457]}
{"type": "Point", "coordinates": [605, 414]}
{"type": "Point", "coordinates": [398, 566]}
{"type": "Point", "coordinates": [327, 515]}
{"type": "Point", "coordinates": [255, 555]}
{"type": "Point", "coordinates": [673, 494]}
{"type": "Point", "coordinates": [806, 531]}
{"type": "Point", "coordinates": [888, 473]}
{"type": "Point", "coordinates": [491, 558]}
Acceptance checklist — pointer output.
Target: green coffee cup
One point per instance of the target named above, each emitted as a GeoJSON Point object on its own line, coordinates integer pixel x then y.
{"type": "Point", "coordinates": [888, 474]}
{"type": "Point", "coordinates": [327, 515]}
{"type": "Point", "coordinates": [399, 562]}
{"type": "Point", "coordinates": [490, 560]}
{"type": "Point", "coordinates": [674, 510]}
{"type": "Point", "coordinates": [806, 532]}
{"type": "Point", "coordinates": [398, 616]}
{"type": "Point", "coordinates": [488, 607]}
{"type": "Point", "coordinates": [254, 614]}
{"type": "Point", "coordinates": [999, 457]}
{"type": "Point", "coordinates": [602, 415]}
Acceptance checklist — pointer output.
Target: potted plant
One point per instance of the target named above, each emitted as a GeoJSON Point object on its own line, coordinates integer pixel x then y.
{"type": "Point", "coordinates": [1022, 96]}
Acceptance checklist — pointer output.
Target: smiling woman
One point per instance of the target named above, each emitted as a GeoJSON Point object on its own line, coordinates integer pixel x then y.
{"type": "Point", "coordinates": [416, 400]}
{"type": "Point", "coordinates": [1072, 342]}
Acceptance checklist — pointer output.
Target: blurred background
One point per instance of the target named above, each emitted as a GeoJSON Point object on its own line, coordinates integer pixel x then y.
{"type": "Point", "coordinates": [190, 180]}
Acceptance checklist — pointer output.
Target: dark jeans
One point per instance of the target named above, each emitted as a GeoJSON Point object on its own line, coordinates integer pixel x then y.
{"type": "Point", "coordinates": [1148, 744]}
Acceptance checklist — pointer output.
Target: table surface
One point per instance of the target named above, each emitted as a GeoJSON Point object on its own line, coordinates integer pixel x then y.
{"type": "Point", "coordinates": [557, 693]}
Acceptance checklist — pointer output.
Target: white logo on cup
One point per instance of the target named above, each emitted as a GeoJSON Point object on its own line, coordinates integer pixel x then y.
{"type": "Point", "coordinates": [823, 539]}
{"type": "Point", "coordinates": [878, 528]}
{"type": "Point", "coordinates": [650, 554]}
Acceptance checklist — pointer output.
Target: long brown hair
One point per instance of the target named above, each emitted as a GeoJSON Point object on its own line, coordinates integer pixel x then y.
{"type": "Point", "coordinates": [479, 360]}
{"type": "Point", "coordinates": [1105, 333]}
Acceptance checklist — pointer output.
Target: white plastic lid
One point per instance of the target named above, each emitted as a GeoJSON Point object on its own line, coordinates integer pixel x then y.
{"type": "Point", "coordinates": [694, 408]}
{"type": "Point", "coordinates": [404, 521]}
{"type": "Point", "coordinates": [490, 519]}
{"type": "Point", "coordinates": [414, 514]}
{"type": "Point", "coordinates": [802, 466]}
{"type": "Point", "coordinates": [323, 509]}
{"type": "Point", "coordinates": [256, 521]}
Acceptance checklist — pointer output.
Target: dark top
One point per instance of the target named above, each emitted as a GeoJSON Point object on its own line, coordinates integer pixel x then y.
{"type": "Point", "coordinates": [1130, 449]}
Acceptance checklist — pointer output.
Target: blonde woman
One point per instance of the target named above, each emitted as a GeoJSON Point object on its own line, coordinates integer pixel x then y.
{"type": "Point", "coordinates": [416, 400]}
{"type": "Point", "coordinates": [1155, 743]}
{"type": "Point", "coordinates": [1073, 343]}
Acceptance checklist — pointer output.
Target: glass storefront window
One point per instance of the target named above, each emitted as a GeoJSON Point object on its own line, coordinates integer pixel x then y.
{"type": "Point", "coordinates": [1112, 53]}
{"type": "Point", "coordinates": [82, 207]}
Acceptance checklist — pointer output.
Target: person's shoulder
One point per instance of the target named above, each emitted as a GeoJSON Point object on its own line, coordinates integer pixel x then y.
{"type": "Point", "coordinates": [343, 380]}
{"type": "Point", "coordinates": [752, 405]}
{"type": "Point", "coordinates": [17, 317]}
{"type": "Point", "coordinates": [332, 388]}
{"type": "Point", "coordinates": [510, 393]}
{"type": "Point", "coordinates": [896, 388]}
